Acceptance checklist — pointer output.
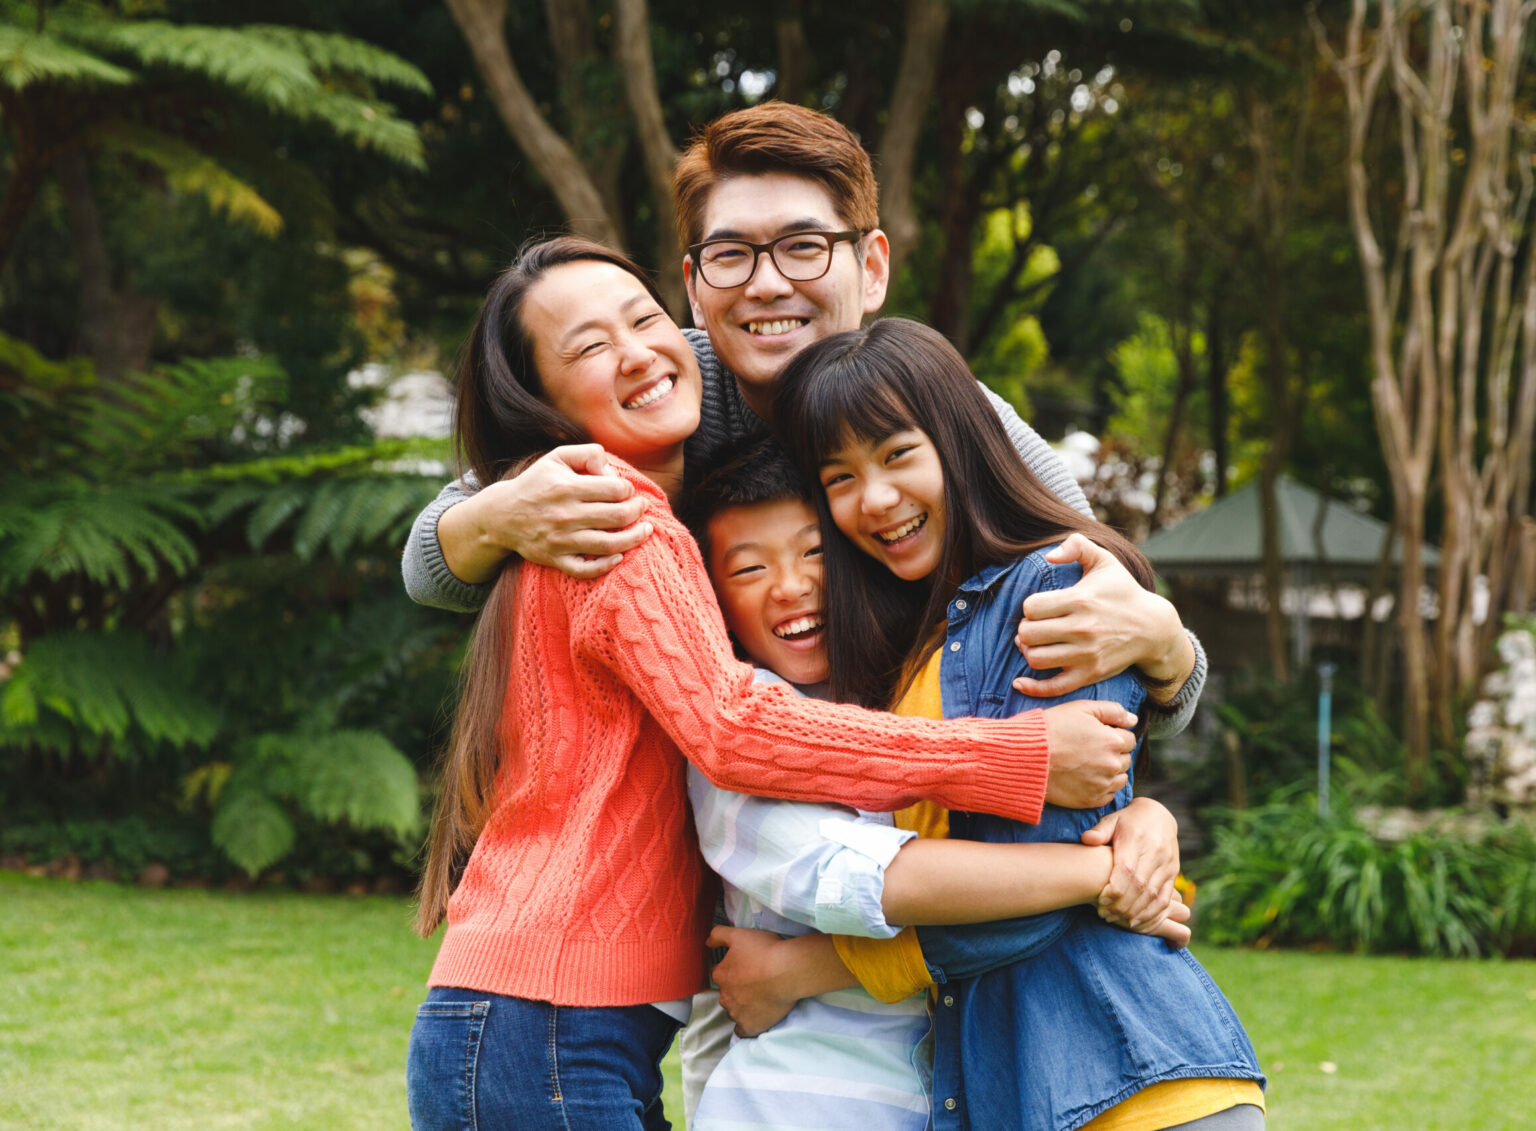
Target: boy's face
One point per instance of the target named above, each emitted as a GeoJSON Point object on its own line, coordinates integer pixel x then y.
{"type": "Point", "coordinates": [765, 563]}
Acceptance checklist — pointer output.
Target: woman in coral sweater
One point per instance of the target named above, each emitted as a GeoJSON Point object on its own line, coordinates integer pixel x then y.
{"type": "Point", "coordinates": [562, 855]}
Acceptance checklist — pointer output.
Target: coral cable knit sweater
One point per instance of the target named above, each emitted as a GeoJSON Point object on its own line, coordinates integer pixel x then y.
{"type": "Point", "coordinates": [586, 886]}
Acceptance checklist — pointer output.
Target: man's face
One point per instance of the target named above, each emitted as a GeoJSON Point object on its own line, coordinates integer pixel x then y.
{"type": "Point", "coordinates": [757, 327]}
{"type": "Point", "coordinates": [765, 564]}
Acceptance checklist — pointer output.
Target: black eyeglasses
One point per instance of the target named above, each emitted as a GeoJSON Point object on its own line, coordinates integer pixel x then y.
{"type": "Point", "coordinates": [799, 256]}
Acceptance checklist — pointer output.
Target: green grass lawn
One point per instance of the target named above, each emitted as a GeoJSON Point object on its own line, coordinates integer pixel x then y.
{"type": "Point", "coordinates": [122, 1008]}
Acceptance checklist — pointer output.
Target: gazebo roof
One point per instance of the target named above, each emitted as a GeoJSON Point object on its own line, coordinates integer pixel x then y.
{"type": "Point", "coordinates": [1227, 537]}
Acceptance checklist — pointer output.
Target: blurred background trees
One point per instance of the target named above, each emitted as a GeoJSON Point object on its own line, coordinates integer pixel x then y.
{"type": "Point", "coordinates": [1142, 222]}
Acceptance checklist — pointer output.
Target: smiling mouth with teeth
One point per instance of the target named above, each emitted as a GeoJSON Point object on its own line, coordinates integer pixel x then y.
{"type": "Point", "coordinates": [801, 628]}
{"type": "Point", "coordinates": [653, 394]}
{"type": "Point", "coordinates": [911, 526]}
{"type": "Point", "coordinates": [777, 326]}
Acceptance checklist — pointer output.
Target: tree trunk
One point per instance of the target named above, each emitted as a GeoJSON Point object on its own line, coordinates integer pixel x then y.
{"type": "Point", "coordinates": [117, 330]}
{"type": "Point", "coordinates": [481, 22]}
{"type": "Point", "coordinates": [632, 52]}
{"type": "Point", "coordinates": [922, 47]}
{"type": "Point", "coordinates": [794, 48]}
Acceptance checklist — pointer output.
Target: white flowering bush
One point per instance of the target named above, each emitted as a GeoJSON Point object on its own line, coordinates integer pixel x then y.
{"type": "Point", "coordinates": [1501, 727]}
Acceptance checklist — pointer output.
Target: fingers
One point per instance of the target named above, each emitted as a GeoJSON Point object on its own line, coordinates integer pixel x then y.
{"type": "Point", "coordinates": [587, 459]}
{"type": "Point", "coordinates": [1103, 831]}
{"type": "Point", "coordinates": [720, 936]}
{"type": "Point", "coordinates": [1063, 682]}
{"type": "Point", "coordinates": [1075, 548]}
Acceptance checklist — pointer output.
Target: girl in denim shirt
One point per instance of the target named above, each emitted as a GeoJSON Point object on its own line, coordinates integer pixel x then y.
{"type": "Point", "coordinates": [944, 533]}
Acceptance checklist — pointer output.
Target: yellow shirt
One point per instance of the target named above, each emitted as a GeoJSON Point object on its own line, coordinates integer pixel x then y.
{"type": "Point", "coordinates": [893, 970]}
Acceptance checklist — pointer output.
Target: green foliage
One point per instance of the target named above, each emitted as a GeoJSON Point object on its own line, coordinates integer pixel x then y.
{"type": "Point", "coordinates": [1281, 875]}
{"type": "Point", "coordinates": [1275, 727]}
{"type": "Point", "coordinates": [127, 845]}
{"type": "Point", "coordinates": [351, 776]}
{"type": "Point", "coordinates": [102, 533]}
{"type": "Point", "coordinates": [101, 691]}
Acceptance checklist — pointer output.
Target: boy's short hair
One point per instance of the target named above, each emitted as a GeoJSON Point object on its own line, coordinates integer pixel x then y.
{"type": "Point", "coordinates": [776, 137]}
{"type": "Point", "coordinates": [761, 473]}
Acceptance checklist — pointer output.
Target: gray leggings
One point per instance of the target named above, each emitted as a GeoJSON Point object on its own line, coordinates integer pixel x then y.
{"type": "Point", "coordinates": [1243, 1117]}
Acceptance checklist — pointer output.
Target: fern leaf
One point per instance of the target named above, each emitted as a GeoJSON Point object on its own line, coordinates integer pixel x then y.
{"type": "Point", "coordinates": [29, 57]}
{"type": "Point", "coordinates": [276, 510]}
{"type": "Point", "coordinates": [251, 829]}
{"type": "Point", "coordinates": [356, 776]}
{"type": "Point", "coordinates": [340, 54]}
{"type": "Point", "coordinates": [319, 517]}
{"type": "Point", "coordinates": [99, 532]}
{"type": "Point", "coordinates": [102, 686]}
{"type": "Point", "coordinates": [192, 172]}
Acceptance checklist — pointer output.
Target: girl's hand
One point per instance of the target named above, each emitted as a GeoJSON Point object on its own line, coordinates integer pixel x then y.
{"type": "Point", "coordinates": [762, 976]}
{"type": "Point", "coordinates": [1173, 929]}
{"type": "Point", "coordinates": [1144, 837]}
{"type": "Point", "coordinates": [1090, 742]}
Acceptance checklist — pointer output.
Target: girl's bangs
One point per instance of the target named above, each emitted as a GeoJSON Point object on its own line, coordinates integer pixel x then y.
{"type": "Point", "coordinates": [847, 403]}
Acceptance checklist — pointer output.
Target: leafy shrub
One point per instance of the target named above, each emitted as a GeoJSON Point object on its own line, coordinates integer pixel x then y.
{"type": "Point", "coordinates": [1281, 875]}
{"type": "Point", "coordinates": [1274, 725]}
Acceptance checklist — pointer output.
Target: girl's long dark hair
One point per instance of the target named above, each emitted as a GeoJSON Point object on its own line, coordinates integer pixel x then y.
{"type": "Point", "coordinates": [864, 385]}
{"type": "Point", "coordinates": [501, 423]}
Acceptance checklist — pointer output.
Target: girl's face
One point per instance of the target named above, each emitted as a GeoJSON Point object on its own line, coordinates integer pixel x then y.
{"type": "Point", "coordinates": [611, 360]}
{"type": "Point", "coordinates": [887, 497]}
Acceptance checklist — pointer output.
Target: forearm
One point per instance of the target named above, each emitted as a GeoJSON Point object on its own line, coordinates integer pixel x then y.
{"type": "Point", "coordinates": [960, 881]}
{"type": "Point", "coordinates": [468, 548]}
{"type": "Point", "coordinates": [1169, 709]}
{"type": "Point", "coordinates": [429, 579]}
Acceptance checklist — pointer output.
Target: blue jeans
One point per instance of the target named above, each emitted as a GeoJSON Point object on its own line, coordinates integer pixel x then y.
{"type": "Point", "coordinates": [482, 1062]}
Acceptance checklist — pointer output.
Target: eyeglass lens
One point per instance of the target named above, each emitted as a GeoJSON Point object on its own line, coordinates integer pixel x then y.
{"type": "Point", "coordinates": [801, 256]}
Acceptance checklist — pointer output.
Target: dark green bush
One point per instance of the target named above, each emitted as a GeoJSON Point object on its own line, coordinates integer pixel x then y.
{"type": "Point", "coordinates": [1281, 875]}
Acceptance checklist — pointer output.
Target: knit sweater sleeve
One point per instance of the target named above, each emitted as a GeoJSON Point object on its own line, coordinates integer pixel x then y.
{"type": "Point", "coordinates": [653, 622]}
{"type": "Point", "coordinates": [428, 580]}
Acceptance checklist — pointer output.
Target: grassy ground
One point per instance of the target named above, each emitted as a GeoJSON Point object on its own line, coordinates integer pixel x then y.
{"type": "Point", "coordinates": [122, 1008]}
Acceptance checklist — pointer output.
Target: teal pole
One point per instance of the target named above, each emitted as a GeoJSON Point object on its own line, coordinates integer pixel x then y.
{"type": "Point", "coordinates": [1324, 730]}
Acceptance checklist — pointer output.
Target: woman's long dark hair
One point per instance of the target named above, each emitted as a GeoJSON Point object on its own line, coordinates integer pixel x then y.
{"type": "Point", "coordinates": [864, 385]}
{"type": "Point", "coordinates": [501, 423]}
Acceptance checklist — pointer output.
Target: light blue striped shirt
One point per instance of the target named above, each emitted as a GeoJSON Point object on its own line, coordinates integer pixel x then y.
{"type": "Point", "coordinates": [841, 1059]}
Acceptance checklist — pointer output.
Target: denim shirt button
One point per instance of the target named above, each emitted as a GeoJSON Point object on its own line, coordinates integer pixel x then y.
{"type": "Point", "coordinates": [950, 1104]}
{"type": "Point", "coordinates": [955, 647]}
{"type": "Point", "coordinates": [960, 604]}
{"type": "Point", "coordinates": [949, 999]}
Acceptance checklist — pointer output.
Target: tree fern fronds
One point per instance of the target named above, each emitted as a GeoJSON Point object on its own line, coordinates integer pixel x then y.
{"type": "Point", "coordinates": [29, 57]}
{"type": "Point", "coordinates": [229, 501]}
{"type": "Point", "coordinates": [192, 172]}
{"type": "Point", "coordinates": [370, 123]}
{"type": "Point", "coordinates": [355, 777]}
{"type": "Point", "coordinates": [376, 458]}
{"type": "Point", "coordinates": [101, 532]}
{"type": "Point", "coordinates": [258, 68]}
{"type": "Point", "coordinates": [101, 686]}
{"type": "Point", "coordinates": [251, 829]}
{"type": "Point", "coordinates": [275, 509]}
{"type": "Point", "coordinates": [325, 507]}
{"type": "Point", "coordinates": [328, 52]}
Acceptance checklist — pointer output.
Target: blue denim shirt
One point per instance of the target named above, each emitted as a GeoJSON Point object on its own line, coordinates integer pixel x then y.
{"type": "Point", "coordinates": [1044, 1021]}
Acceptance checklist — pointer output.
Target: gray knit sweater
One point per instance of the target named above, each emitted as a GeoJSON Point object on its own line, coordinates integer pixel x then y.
{"type": "Point", "coordinates": [723, 419]}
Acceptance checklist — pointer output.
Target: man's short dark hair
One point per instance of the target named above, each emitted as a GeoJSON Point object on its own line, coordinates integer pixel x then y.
{"type": "Point", "coordinates": [761, 473]}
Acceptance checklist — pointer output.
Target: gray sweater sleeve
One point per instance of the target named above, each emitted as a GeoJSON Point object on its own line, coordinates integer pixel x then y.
{"type": "Point", "coordinates": [428, 580]}
{"type": "Point", "coordinates": [1163, 719]}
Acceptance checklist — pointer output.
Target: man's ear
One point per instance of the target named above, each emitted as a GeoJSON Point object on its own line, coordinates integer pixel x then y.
{"type": "Point", "coordinates": [693, 301]}
{"type": "Point", "coordinates": [877, 270]}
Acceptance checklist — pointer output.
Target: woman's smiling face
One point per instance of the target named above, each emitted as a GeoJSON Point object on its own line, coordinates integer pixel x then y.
{"type": "Point", "coordinates": [611, 360]}
{"type": "Point", "coordinates": [887, 497]}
